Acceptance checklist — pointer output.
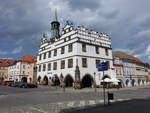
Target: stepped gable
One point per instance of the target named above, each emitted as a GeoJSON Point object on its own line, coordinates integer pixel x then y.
{"type": "Point", "coordinates": [29, 59]}
{"type": "Point", "coordinates": [6, 62]}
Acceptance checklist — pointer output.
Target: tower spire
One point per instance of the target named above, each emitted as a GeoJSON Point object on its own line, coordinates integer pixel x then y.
{"type": "Point", "coordinates": [55, 27]}
{"type": "Point", "coordinates": [56, 14]}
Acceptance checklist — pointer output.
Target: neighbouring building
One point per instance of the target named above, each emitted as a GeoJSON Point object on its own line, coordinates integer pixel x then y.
{"type": "Point", "coordinates": [4, 63]}
{"type": "Point", "coordinates": [134, 70]}
{"type": "Point", "coordinates": [73, 56]}
{"type": "Point", "coordinates": [118, 67]}
{"type": "Point", "coordinates": [23, 69]}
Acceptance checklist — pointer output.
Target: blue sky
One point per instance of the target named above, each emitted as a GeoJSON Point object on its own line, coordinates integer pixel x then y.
{"type": "Point", "coordinates": [22, 23]}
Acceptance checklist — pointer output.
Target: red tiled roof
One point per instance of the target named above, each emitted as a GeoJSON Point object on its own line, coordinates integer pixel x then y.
{"type": "Point", "coordinates": [121, 54]}
{"type": "Point", "coordinates": [6, 62]}
{"type": "Point", "coordinates": [29, 59]}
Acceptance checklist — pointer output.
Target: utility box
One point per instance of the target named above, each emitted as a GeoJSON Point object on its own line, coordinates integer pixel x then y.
{"type": "Point", "coordinates": [110, 96]}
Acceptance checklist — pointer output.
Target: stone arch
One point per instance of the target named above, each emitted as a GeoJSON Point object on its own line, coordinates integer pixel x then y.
{"type": "Point", "coordinates": [87, 81]}
{"type": "Point", "coordinates": [143, 82]}
{"type": "Point", "coordinates": [68, 81]}
{"type": "Point", "coordinates": [45, 80]}
{"type": "Point", "coordinates": [39, 79]}
{"type": "Point", "coordinates": [133, 82]}
{"type": "Point", "coordinates": [24, 79]}
{"type": "Point", "coordinates": [30, 79]}
{"type": "Point", "coordinates": [55, 80]}
{"type": "Point", "coordinates": [121, 83]}
{"type": "Point", "coordinates": [127, 82]}
{"type": "Point", "coordinates": [139, 81]}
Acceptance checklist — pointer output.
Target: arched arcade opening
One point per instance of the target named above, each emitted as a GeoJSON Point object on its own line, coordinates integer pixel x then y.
{"type": "Point", "coordinates": [68, 81]}
{"type": "Point", "coordinates": [87, 81]}
{"type": "Point", "coordinates": [45, 80]}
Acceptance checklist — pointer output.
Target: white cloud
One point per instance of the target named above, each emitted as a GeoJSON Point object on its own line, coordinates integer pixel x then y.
{"type": "Point", "coordinates": [148, 49]}
{"type": "Point", "coordinates": [3, 52]}
{"type": "Point", "coordinates": [16, 50]}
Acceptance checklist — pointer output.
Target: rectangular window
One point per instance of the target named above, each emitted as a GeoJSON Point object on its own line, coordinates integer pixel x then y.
{"type": "Point", "coordinates": [55, 52]}
{"type": "Point", "coordinates": [97, 62]}
{"type": "Point", "coordinates": [84, 62]}
{"type": "Point", "coordinates": [70, 63]}
{"type": "Point", "coordinates": [44, 56]}
{"type": "Point", "coordinates": [106, 52]}
{"type": "Point", "coordinates": [84, 47]}
{"type": "Point", "coordinates": [49, 54]}
{"type": "Point", "coordinates": [49, 66]}
{"type": "Point", "coordinates": [24, 67]}
{"type": "Point", "coordinates": [62, 50]}
{"type": "Point", "coordinates": [39, 68]}
{"type": "Point", "coordinates": [63, 64]}
{"type": "Point", "coordinates": [44, 67]}
{"type": "Point", "coordinates": [55, 66]}
{"type": "Point", "coordinates": [97, 50]}
{"type": "Point", "coordinates": [40, 57]}
{"type": "Point", "coordinates": [70, 48]}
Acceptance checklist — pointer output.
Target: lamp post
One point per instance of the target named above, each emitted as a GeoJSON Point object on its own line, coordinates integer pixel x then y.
{"type": "Point", "coordinates": [94, 81]}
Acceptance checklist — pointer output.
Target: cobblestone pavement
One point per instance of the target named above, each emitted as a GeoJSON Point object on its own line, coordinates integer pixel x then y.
{"type": "Point", "coordinates": [59, 107]}
{"type": "Point", "coordinates": [54, 100]}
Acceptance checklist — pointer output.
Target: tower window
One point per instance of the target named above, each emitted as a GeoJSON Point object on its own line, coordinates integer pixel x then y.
{"type": "Point", "coordinates": [49, 54]}
{"type": "Point", "coordinates": [70, 63]}
{"type": "Point", "coordinates": [97, 50]}
{"type": "Point", "coordinates": [70, 48]}
{"type": "Point", "coordinates": [44, 56]}
{"type": "Point", "coordinates": [84, 47]}
{"type": "Point", "coordinates": [84, 62]}
{"type": "Point", "coordinates": [49, 66]}
{"type": "Point", "coordinates": [62, 64]}
{"type": "Point", "coordinates": [44, 67]}
{"type": "Point", "coordinates": [55, 52]}
{"type": "Point", "coordinates": [40, 56]}
{"type": "Point", "coordinates": [55, 66]}
{"type": "Point", "coordinates": [97, 62]}
{"type": "Point", "coordinates": [106, 52]}
{"type": "Point", "coordinates": [62, 50]}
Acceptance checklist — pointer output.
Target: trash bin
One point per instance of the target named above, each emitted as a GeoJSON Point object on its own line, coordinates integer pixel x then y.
{"type": "Point", "coordinates": [110, 96]}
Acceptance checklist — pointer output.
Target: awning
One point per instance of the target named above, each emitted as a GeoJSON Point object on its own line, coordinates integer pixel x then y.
{"type": "Point", "coordinates": [112, 80]}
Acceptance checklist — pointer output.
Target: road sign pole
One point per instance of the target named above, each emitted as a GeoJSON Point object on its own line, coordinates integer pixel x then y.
{"type": "Point", "coordinates": [104, 89]}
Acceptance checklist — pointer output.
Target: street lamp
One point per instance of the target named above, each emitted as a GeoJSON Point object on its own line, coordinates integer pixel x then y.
{"type": "Point", "coordinates": [94, 81]}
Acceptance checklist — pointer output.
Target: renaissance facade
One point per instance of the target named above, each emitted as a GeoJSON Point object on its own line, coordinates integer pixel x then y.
{"type": "Point", "coordinates": [73, 56]}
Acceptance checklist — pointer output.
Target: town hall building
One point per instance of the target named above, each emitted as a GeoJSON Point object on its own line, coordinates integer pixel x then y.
{"type": "Point", "coordinates": [73, 55]}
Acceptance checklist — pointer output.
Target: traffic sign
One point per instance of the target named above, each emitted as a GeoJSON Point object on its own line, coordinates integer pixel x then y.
{"type": "Point", "coordinates": [103, 66]}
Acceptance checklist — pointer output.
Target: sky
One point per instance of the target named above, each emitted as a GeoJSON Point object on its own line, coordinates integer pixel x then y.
{"type": "Point", "coordinates": [22, 23]}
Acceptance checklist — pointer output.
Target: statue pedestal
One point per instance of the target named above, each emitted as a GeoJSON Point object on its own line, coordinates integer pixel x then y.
{"type": "Point", "coordinates": [77, 85]}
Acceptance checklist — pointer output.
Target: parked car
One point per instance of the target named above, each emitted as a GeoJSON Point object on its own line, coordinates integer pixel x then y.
{"type": "Point", "coordinates": [15, 84]}
{"type": "Point", "coordinates": [27, 85]}
{"type": "Point", "coordinates": [7, 82]}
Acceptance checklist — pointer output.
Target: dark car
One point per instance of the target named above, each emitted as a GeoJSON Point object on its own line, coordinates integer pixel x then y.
{"type": "Point", "coordinates": [27, 85]}
{"type": "Point", "coordinates": [15, 84]}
